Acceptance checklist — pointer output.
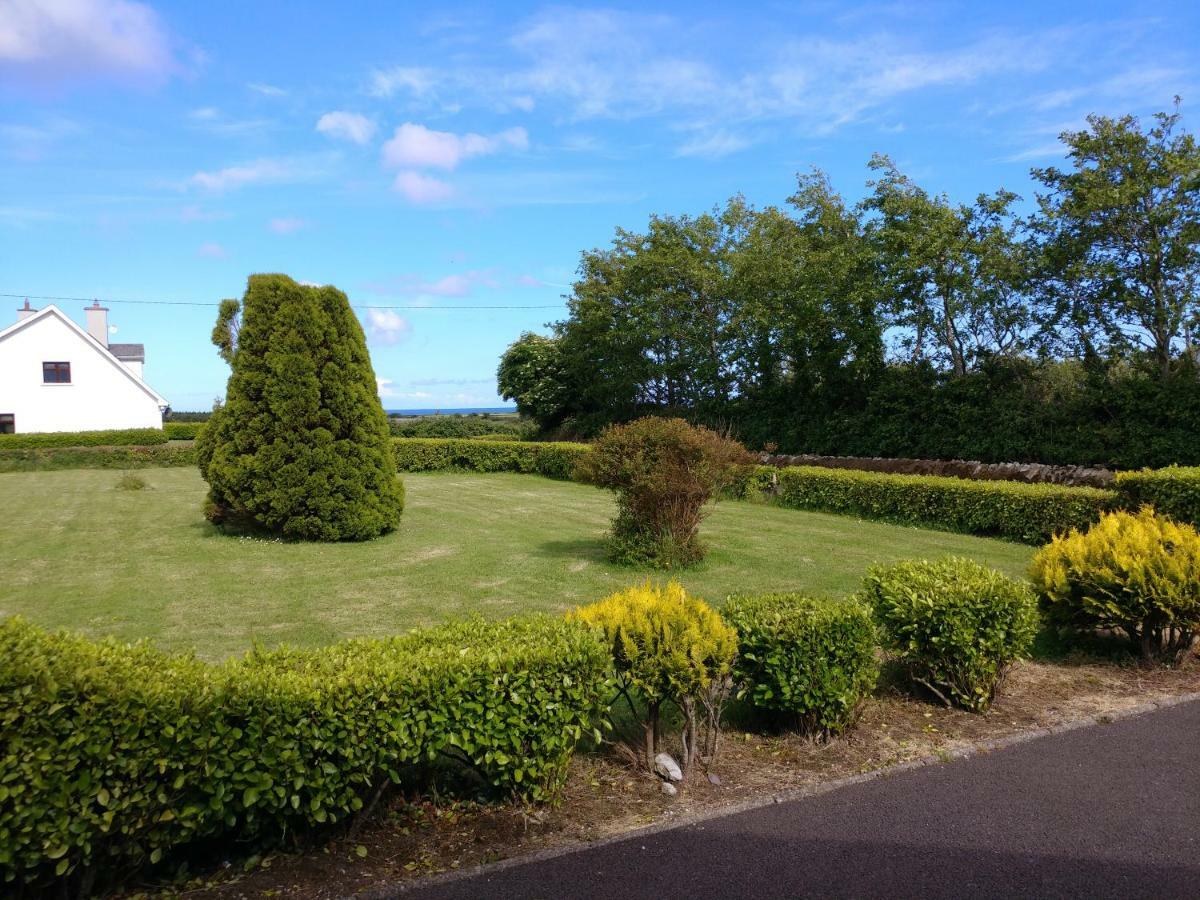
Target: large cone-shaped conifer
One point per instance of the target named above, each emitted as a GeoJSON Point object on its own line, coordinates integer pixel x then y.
{"type": "Point", "coordinates": [301, 446]}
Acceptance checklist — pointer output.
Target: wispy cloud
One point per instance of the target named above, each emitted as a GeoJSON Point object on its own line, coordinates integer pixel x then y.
{"type": "Point", "coordinates": [714, 145]}
{"type": "Point", "coordinates": [267, 90]}
{"type": "Point", "coordinates": [414, 80]}
{"type": "Point", "coordinates": [287, 225]}
{"type": "Point", "coordinates": [386, 326]}
{"type": "Point", "coordinates": [346, 126]}
{"type": "Point", "coordinates": [411, 284]}
{"type": "Point", "coordinates": [212, 250]}
{"type": "Point", "coordinates": [415, 146]}
{"type": "Point", "coordinates": [259, 171]}
{"type": "Point", "coordinates": [50, 42]}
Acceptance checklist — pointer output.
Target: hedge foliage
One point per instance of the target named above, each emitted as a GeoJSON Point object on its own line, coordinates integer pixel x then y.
{"type": "Point", "coordinates": [183, 431]}
{"type": "Point", "coordinates": [115, 438]}
{"type": "Point", "coordinates": [462, 426]}
{"type": "Point", "coordinates": [52, 458]}
{"type": "Point", "coordinates": [301, 446]}
{"type": "Point", "coordinates": [1030, 513]}
{"type": "Point", "coordinates": [115, 755]}
{"type": "Point", "coordinates": [1173, 491]}
{"type": "Point", "coordinates": [809, 661]}
{"type": "Point", "coordinates": [554, 460]}
{"type": "Point", "coordinates": [1138, 573]}
{"type": "Point", "coordinates": [953, 625]}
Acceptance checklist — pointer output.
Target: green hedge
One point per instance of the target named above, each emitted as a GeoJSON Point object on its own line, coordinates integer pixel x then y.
{"type": "Point", "coordinates": [1031, 513]}
{"type": "Point", "coordinates": [183, 431]}
{"type": "Point", "coordinates": [116, 438]}
{"type": "Point", "coordinates": [554, 460]}
{"type": "Point", "coordinates": [115, 755]}
{"type": "Point", "coordinates": [50, 458]}
{"type": "Point", "coordinates": [1173, 492]}
{"type": "Point", "coordinates": [807, 660]}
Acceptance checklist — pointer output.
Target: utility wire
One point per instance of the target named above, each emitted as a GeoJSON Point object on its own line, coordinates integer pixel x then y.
{"type": "Point", "coordinates": [205, 303]}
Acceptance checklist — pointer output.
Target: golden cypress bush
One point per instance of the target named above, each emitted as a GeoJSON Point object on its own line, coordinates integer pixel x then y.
{"type": "Point", "coordinates": [667, 646]}
{"type": "Point", "coordinates": [1138, 573]}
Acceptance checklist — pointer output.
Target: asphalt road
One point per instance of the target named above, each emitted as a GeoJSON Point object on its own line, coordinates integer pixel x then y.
{"type": "Point", "coordinates": [1104, 811]}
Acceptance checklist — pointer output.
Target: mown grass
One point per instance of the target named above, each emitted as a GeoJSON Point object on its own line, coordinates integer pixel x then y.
{"type": "Point", "coordinates": [80, 552]}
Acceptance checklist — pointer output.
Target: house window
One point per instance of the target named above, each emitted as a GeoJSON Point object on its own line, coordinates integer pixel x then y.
{"type": "Point", "coordinates": [56, 373]}
{"type": "Point", "coordinates": [8, 423]}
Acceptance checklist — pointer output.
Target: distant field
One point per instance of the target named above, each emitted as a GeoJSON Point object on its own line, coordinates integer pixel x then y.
{"type": "Point", "coordinates": [79, 553]}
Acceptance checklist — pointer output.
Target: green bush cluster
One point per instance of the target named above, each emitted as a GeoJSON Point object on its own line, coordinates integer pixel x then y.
{"type": "Point", "coordinates": [1173, 491]}
{"type": "Point", "coordinates": [460, 426]}
{"type": "Point", "coordinates": [554, 460]}
{"type": "Point", "coordinates": [116, 755]}
{"type": "Point", "coordinates": [1030, 513]}
{"type": "Point", "coordinates": [183, 431]}
{"type": "Point", "coordinates": [115, 438]}
{"type": "Point", "coordinates": [953, 625]}
{"type": "Point", "coordinates": [51, 458]}
{"type": "Point", "coordinates": [1138, 573]}
{"type": "Point", "coordinates": [811, 662]}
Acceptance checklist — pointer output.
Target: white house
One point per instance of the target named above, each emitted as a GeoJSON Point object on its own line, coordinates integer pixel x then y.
{"type": "Point", "coordinates": [56, 376]}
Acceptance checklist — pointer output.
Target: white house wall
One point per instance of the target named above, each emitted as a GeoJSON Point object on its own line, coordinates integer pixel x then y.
{"type": "Point", "coordinates": [100, 395]}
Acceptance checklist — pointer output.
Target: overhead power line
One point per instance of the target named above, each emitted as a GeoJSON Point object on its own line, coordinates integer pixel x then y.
{"type": "Point", "coordinates": [207, 303]}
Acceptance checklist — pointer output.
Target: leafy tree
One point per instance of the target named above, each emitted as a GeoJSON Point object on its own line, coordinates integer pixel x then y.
{"type": "Point", "coordinates": [531, 373]}
{"type": "Point", "coordinates": [301, 446]}
{"type": "Point", "coordinates": [1120, 234]}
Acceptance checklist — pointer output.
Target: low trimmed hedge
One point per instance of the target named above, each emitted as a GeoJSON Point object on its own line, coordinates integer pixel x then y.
{"type": "Point", "coordinates": [183, 431]}
{"type": "Point", "coordinates": [1030, 513]}
{"type": "Point", "coordinates": [1173, 492]}
{"type": "Point", "coordinates": [809, 661]}
{"type": "Point", "coordinates": [554, 460]}
{"type": "Point", "coordinates": [52, 458]}
{"type": "Point", "coordinates": [117, 438]}
{"type": "Point", "coordinates": [115, 755]}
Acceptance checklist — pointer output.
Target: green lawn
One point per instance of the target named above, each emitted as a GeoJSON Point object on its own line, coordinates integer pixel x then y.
{"type": "Point", "coordinates": [78, 552]}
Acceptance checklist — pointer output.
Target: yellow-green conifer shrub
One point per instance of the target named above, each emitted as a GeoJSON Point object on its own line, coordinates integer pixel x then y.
{"type": "Point", "coordinates": [667, 646]}
{"type": "Point", "coordinates": [1136, 572]}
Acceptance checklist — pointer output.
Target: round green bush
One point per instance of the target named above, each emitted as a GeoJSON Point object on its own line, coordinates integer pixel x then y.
{"type": "Point", "coordinates": [810, 661]}
{"type": "Point", "coordinates": [953, 625]}
{"type": "Point", "coordinates": [301, 447]}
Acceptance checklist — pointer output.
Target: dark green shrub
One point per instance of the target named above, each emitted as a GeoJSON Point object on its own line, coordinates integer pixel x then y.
{"type": "Point", "coordinates": [810, 662]}
{"type": "Point", "coordinates": [51, 458]}
{"type": "Point", "coordinates": [115, 756]}
{"type": "Point", "coordinates": [664, 472]}
{"type": "Point", "coordinates": [1031, 513]}
{"type": "Point", "coordinates": [131, 482]}
{"type": "Point", "coordinates": [1138, 573]}
{"type": "Point", "coordinates": [1173, 491]}
{"type": "Point", "coordinates": [118, 438]}
{"type": "Point", "coordinates": [554, 460]}
{"type": "Point", "coordinates": [953, 625]}
{"type": "Point", "coordinates": [301, 446]}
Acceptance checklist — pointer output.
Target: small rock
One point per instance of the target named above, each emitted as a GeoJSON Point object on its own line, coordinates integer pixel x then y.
{"type": "Point", "coordinates": [669, 789]}
{"type": "Point", "coordinates": [714, 778]}
{"type": "Point", "coordinates": [666, 767]}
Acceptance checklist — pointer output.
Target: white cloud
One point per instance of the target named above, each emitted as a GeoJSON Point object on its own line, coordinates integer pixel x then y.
{"type": "Point", "coordinates": [346, 126]}
{"type": "Point", "coordinates": [53, 41]}
{"type": "Point", "coordinates": [415, 145]}
{"type": "Point", "coordinates": [414, 285]}
{"type": "Point", "coordinates": [418, 188]}
{"type": "Point", "coordinates": [287, 225]}
{"type": "Point", "coordinates": [211, 250]}
{"type": "Point", "coordinates": [259, 171]}
{"type": "Point", "coordinates": [412, 79]}
{"type": "Point", "coordinates": [387, 326]}
{"type": "Point", "coordinates": [267, 90]}
{"type": "Point", "coordinates": [205, 114]}
{"type": "Point", "coordinates": [714, 145]}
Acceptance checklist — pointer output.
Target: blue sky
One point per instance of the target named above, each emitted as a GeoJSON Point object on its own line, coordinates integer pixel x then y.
{"type": "Point", "coordinates": [463, 157]}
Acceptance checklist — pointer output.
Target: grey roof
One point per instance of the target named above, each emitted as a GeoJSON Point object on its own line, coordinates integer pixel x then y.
{"type": "Point", "coordinates": [128, 352]}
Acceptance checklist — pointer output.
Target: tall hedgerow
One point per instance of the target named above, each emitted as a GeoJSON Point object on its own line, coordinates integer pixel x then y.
{"type": "Point", "coordinates": [300, 447]}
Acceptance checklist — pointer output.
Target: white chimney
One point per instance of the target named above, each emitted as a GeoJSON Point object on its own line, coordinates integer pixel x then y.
{"type": "Point", "coordinates": [25, 311]}
{"type": "Point", "coordinates": [97, 321]}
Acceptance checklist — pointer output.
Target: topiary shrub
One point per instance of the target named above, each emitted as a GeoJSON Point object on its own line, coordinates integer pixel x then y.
{"type": "Point", "coordinates": [301, 446]}
{"type": "Point", "coordinates": [664, 472]}
{"type": "Point", "coordinates": [810, 662]}
{"type": "Point", "coordinates": [667, 647]}
{"type": "Point", "coordinates": [1138, 573]}
{"type": "Point", "coordinates": [953, 625]}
